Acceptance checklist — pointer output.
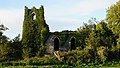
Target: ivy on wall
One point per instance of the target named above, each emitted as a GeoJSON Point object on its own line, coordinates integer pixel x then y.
{"type": "Point", "coordinates": [35, 32]}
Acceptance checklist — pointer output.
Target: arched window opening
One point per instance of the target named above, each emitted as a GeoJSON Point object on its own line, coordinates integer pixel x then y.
{"type": "Point", "coordinates": [56, 44]}
{"type": "Point", "coordinates": [33, 16]}
{"type": "Point", "coordinates": [73, 46]}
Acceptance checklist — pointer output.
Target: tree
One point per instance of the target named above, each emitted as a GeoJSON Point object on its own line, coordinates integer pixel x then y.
{"type": "Point", "coordinates": [107, 37]}
{"type": "Point", "coordinates": [3, 38]}
{"type": "Point", "coordinates": [12, 50]}
{"type": "Point", "coordinates": [9, 49]}
{"type": "Point", "coordinates": [84, 31]}
{"type": "Point", "coordinates": [90, 25]}
{"type": "Point", "coordinates": [100, 38]}
{"type": "Point", "coordinates": [16, 47]}
{"type": "Point", "coordinates": [81, 36]}
{"type": "Point", "coordinates": [113, 19]}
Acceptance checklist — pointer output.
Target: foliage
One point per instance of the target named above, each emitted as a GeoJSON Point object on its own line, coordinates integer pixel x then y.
{"type": "Point", "coordinates": [77, 57]}
{"type": "Point", "coordinates": [12, 50]}
{"type": "Point", "coordinates": [3, 38]}
{"type": "Point", "coordinates": [81, 36]}
{"type": "Point", "coordinates": [113, 18]}
{"type": "Point", "coordinates": [5, 52]}
{"type": "Point", "coordinates": [35, 32]}
{"type": "Point", "coordinates": [102, 54]}
{"type": "Point", "coordinates": [113, 54]}
{"type": "Point", "coordinates": [4, 49]}
{"type": "Point", "coordinates": [16, 47]}
{"type": "Point", "coordinates": [44, 35]}
{"type": "Point", "coordinates": [83, 32]}
{"type": "Point", "coordinates": [100, 40]}
{"type": "Point", "coordinates": [90, 25]}
{"type": "Point", "coordinates": [42, 61]}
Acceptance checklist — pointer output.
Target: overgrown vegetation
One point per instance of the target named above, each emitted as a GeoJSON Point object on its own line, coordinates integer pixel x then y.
{"type": "Point", "coordinates": [35, 32]}
{"type": "Point", "coordinates": [98, 43]}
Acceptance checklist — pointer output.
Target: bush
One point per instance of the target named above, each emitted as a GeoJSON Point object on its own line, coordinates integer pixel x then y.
{"type": "Point", "coordinates": [43, 61]}
{"type": "Point", "coordinates": [77, 57]}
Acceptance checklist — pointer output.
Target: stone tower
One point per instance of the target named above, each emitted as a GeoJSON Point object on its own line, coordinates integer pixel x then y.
{"type": "Point", "coordinates": [35, 31]}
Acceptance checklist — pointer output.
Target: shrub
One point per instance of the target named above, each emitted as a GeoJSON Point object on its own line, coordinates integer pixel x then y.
{"type": "Point", "coordinates": [42, 61]}
{"type": "Point", "coordinates": [77, 57]}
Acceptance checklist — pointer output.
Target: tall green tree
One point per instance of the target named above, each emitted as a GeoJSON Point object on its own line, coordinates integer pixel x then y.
{"type": "Point", "coordinates": [9, 49]}
{"type": "Point", "coordinates": [3, 40]}
{"type": "Point", "coordinates": [100, 38]}
{"type": "Point", "coordinates": [16, 47]}
{"type": "Point", "coordinates": [113, 19]}
{"type": "Point", "coordinates": [84, 31]}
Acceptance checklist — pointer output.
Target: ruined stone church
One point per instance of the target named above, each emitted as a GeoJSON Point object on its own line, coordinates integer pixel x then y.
{"type": "Point", "coordinates": [55, 41]}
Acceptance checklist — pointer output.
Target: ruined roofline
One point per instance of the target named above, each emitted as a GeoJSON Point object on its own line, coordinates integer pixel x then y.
{"type": "Point", "coordinates": [34, 7]}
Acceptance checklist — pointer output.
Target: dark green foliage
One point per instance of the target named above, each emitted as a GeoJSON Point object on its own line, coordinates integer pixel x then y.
{"type": "Point", "coordinates": [78, 57]}
{"type": "Point", "coordinates": [44, 35]}
{"type": "Point", "coordinates": [83, 32]}
{"type": "Point", "coordinates": [113, 54]}
{"type": "Point", "coordinates": [12, 50]}
{"type": "Point", "coordinates": [81, 36]}
{"type": "Point", "coordinates": [35, 32]}
{"type": "Point", "coordinates": [16, 47]}
{"type": "Point", "coordinates": [113, 19]}
{"type": "Point", "coordinates": [100, 41]}
{"type": "Point", "coordinates": [9, 49]}
{"type": "Point", "coordinates": [4, 49]}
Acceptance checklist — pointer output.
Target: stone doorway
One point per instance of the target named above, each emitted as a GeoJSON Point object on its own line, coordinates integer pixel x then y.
{"type": "Point", "coordinates": [56, 44]}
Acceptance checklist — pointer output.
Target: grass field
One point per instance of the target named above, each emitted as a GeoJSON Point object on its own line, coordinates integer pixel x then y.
{"type": "Point", "coordinates": [55, 66]}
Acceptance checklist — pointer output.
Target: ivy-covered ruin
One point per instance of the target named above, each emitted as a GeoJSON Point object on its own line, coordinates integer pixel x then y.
{"type": "Point", "coordinates": [36, 38]}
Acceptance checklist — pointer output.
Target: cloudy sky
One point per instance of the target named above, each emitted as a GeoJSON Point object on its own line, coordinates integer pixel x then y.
{"type": "Point", "coordinates": [59, 14]}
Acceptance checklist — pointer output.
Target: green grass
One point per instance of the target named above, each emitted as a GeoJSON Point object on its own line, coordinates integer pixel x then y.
{"type": "Point", "coordinates": [27, 67]}
{"type": "Point", "coordinates": [47, 66]}
{"type": "Point", "coordinates": [56, 66]}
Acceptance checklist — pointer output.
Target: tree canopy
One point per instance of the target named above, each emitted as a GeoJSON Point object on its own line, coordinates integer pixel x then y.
{"type": "Point", "coordinates": [113, 19]}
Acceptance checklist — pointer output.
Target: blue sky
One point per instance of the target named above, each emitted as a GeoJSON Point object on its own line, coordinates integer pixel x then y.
{"type": "Point", "coordinates": [59, 14]}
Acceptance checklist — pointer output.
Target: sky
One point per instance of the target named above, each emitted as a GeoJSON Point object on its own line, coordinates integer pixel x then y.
{"type": "Point", "coordinates": [59, 14]}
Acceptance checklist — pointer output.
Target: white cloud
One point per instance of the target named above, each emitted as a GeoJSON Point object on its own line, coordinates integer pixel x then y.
{"type": "Point", "coordinates": [12, 18]}
{"type": "Point", "coordinates": [84, 7]}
